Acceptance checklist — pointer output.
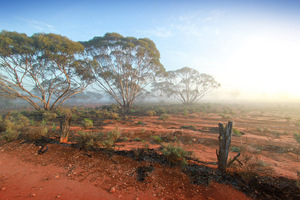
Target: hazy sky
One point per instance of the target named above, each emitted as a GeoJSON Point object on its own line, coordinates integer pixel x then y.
{"type": "Point", "coordinates": [249, 46]}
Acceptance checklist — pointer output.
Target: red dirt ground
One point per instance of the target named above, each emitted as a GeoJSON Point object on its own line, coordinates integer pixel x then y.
{"type": "Point", "coordinates": [65, 173]}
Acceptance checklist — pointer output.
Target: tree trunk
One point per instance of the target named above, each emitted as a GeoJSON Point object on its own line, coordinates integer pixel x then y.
{"type": "Point", "coordinates": [224, 144]}
{"type": "Point", "coordinates": [65, 123]}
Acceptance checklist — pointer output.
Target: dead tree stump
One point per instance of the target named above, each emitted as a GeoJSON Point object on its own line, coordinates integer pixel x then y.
{"type": "Point", "coordinates": [65, 123]}
{"type": "Point", "coordinates": [224, 144]}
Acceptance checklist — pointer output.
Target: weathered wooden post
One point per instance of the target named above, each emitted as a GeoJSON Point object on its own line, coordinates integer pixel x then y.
{"type": "Point", "coordinates": [65, 123]}
{"type": "Point", "coordinates": [224, 144]}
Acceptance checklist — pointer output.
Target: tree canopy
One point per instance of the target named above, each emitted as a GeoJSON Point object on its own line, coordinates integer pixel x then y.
{"type": "Point", "coordinates": [44, 69]}
{"type": "Point", "coordinates": [126, 65]}
{"type": "Point", "coordinates": [186, 85]}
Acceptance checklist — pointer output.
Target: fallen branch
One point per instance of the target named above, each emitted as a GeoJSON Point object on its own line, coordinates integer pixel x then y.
{"type": "Point", "coordinates": [235, 159]}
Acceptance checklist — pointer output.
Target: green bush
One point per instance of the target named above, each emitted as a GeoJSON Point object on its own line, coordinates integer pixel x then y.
{"type": "Point", "coordinates": [185, 112]}
{"type": "Point", "coordinates": [34, 133]}
{"type": "Point", "coordinates": [164, 117]}
{"type": "Point", "coordinates": [175, 154]}
{"type": "Point", "coordinates": [235, 149]}
{"type": "Point", "coordinates": [6, 125]}
{"type": "Point", "coordinates": [87, 140]}
{"type": "Point", "coordinates": [49, 115]}
{"type": "Point", "coordinates": [114, 134]}
{"type": "Point", "coordinates": [297, 137]}
{"type": "Point", "coordinates": [87, 123]}
{"type": "Point", "coordinates": [114, 115]}
{"type": "Point", "coordinates": [236, 132]}
{"type": "Point", "coordinates": [156, 139]}
{"type": "Point", "coordinates": [10, 135]}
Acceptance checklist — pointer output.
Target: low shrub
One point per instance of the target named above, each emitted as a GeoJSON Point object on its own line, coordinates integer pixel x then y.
{"type": "Point", "coordinates": [10, 135]}
{"type": "Point", "coordinates": [185, 112]}
{"type": "Point", "coordinates": [156, 139]}
{"type": "Point", "coordinates": [87, 140]}
{"type": "Point", "coordinates": [297, 137]}
{"type": "Point", "coordinates": [114, 134]}
{"type": "Point", "coordinates": [150, 113]}
{"type": "Point", "coordinates": [235, 149]}
{"type": "Point", "coordinates": [175, 154]}
{"type": "Point", "coordinates": [164, 117]}
{"type": "Point", "coordinates": [49, 115]}
{"type": "Point", "coordinates": [87, 123]}
{"type": "Point", "coordinates": [34, 133]}
{"type": "Point", "coordinates": [236, 132]}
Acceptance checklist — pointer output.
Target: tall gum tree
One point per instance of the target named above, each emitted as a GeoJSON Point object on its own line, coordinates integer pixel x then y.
{"type": "Point", "coordinates": [44, 69]}
{"type": "Point", "coordinates": [186, 85]}
{"type": "Point", "coordinates": [126, 65]}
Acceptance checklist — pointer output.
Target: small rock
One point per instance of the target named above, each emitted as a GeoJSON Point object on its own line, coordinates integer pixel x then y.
{"type": "Point", "coordinates": [154, 195]}
{"type": "Point", "coordinates": [58, 196]}
{"type": "Point", "coordinates": [3, 188]}
{"type": "Point", "coordinates": [32, 195]}
{"type": "Point", "coordinates": [112, 190]}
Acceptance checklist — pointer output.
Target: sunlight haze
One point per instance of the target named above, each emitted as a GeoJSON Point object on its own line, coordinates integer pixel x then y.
{"type": "Point", "coordinates": [250, 47]}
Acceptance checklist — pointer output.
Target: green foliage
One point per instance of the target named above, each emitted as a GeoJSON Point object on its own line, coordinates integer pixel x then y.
{"type": "Point", "coordinates": [87, 140]}
{"type": "Point", "coordinates": [137, 139]}
{"type": "Point", "coordinates": [51, 55]}
{"type": "Point", "coordinates": [156, 139]}
{"type": "Point", "coordinates": [49, 115]}
{"type": "Point", "coordinates": [34, 133]}
{"type": "Point", "coordinates": [164, 117]}
{"type": "Point", "coordinates": [187, 85]}
{"type": "Point", "coordinates": [175, 154]}
{"type": "Point", "coordinates": [297, 137]}
{"type": "Point", "coordinates": [236, 132]}
{"type": "Point", "coordinates": [9, 135]}
{"type": "Point", "coordinates": [235, 149]}
{"type": "Point", "coordinates": [140, 122]}
{"type": "Point", "coordinates": [114, 134]}
{"type": "Point", "coordinates": [129, 65]}
{"type": "Point", "coordinates": [53, 127]}
{"type": "Point", "coordinates": [61, 112]}
{"type": "Point", "coordinates": [10, 128]}
{"type": "Point", "coordinates": [87, 123]}
{"type": "Point", "coordinates": [185, 112]}
{"type": "Point", "coordinates": [191, 127]}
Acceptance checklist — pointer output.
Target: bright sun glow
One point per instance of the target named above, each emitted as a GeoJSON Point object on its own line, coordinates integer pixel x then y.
{"type": "Point", "coordinates": [268, 66]}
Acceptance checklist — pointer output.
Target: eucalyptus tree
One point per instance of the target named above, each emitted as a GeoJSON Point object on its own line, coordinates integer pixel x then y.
{"type": "Point", "coordinates": [186, 85]}
{"type": "Point", "coordinates": [126, 65]}
{"type": "Point", "coordinates": [44, 69]}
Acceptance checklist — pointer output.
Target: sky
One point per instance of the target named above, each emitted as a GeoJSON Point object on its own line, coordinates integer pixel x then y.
{"type": "Point", "coordinates": [252, 47]}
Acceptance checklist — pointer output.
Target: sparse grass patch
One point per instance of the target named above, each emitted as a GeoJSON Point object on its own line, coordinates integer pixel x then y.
{"type": "Point", "coordinates": [297, 137]}
{"type": "Point", "coordinates": [190, 127]}
{"type": "Point", "coordinates": [156, 139]}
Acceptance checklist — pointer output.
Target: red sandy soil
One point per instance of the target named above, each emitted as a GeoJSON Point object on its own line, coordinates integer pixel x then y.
{"type": "Point", "coordinates": [64, 172]}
